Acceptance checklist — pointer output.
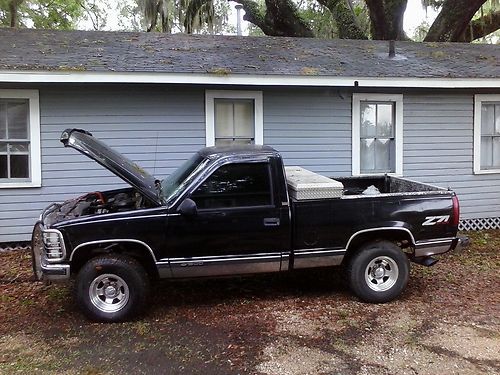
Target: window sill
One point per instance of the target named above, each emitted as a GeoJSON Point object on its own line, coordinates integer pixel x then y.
{"type": "Point", "coordinates": [487, 171]}
{"type": "Point", "coordinates": [377, 174]}
{"type": "Point", "coordinates": [19, 185]}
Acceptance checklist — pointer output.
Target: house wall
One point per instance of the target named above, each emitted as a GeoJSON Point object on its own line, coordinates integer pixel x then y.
{"type": "Point", "coordinates": [311, 128]}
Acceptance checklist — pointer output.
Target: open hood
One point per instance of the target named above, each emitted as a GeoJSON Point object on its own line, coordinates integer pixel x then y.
{"type": "Point", "coordinates": [124, 168]}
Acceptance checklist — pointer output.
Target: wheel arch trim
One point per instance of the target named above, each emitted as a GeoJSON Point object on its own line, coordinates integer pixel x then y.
{"type": "Point", "coordinates": [84, 244]}
{"type": "Point", "coordinates": [380, 229]}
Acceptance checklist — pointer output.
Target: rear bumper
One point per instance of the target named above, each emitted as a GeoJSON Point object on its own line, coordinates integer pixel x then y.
{"type": "Point", "coordinates": [439, 246]}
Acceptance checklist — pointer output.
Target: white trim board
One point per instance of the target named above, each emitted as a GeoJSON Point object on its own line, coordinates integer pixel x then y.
{"type": "Point", "coordinates": [211, 95]}
{"type": "Point", "coordinates": [478, 100]}
{"type": "Point", "coordinates": [241, 79]}
{"type": "Point", "coordinates": [34, 130]}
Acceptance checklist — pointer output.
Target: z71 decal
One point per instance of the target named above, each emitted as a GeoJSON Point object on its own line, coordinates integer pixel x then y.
{"type": "Point", "coordinates": [433, 220]}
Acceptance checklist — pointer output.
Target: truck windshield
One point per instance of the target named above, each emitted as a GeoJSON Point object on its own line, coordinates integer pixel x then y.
{"type": "Point", "coordinates": [172, 185]}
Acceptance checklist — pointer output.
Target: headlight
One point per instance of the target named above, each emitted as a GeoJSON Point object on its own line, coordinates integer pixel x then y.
{"type": "Point", "coordinates": [54, 245]}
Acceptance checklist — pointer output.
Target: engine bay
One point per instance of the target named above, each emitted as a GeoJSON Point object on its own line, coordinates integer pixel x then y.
{"type": "Point", "coordinates": [95, 203]}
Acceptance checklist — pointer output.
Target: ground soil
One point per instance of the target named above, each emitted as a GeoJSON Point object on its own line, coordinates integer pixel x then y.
{"type": "Point", "coordinates": [446, 322]}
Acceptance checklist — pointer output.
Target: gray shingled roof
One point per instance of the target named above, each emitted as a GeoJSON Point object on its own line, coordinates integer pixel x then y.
{"type": "Point", "coordinates": [46, 50]}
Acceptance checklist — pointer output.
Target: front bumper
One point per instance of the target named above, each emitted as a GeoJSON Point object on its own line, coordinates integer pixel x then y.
{"type": "Point", "coordinates": [42, 268]}
{"type": "Point", "coordinates": [439, 246]}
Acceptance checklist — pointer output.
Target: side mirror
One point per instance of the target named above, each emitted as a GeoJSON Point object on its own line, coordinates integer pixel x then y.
{"type": "Point", "coordinates": [188, 207]}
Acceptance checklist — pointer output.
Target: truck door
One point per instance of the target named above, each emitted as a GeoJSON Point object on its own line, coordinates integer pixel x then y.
{"type": "Point", "coordinates": [239, 227]}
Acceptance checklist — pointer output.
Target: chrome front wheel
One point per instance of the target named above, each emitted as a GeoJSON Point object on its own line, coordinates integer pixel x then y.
{"type": "Point", "coordinates": [112, 288]}
{"type": "Point", "coordinates": [109, 293]}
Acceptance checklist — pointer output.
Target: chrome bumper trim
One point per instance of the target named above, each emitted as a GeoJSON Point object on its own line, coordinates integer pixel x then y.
{"type": "Point", "coordinates": [56, 272]}
{"type": "Point", "coordinates": [428, 248]}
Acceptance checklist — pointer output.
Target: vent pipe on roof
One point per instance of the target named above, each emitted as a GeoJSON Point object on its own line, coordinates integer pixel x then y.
{"type": "Point", "coordinates": [238, 18]}
{"type": "Point", "coordinates": [392, 48]}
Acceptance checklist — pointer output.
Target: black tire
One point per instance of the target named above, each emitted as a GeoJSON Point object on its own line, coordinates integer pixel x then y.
{"type": "Point", "coordinates": [378, 272]}
{"type": "Point", "coordinates": [112, 288]}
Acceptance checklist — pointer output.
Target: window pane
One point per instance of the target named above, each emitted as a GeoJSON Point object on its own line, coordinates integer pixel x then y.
{"type": "Point", "coordinates": [368, 120]}
{"type": "Point", "coordinates": [486, 151]}
{"type": "Point", "coordinates": [3, 166]}
{"type": "Point", "coordinates": [497, 119]}
{"type": "Point", "coordinates": [385, 120]}
{"type": "Point", "coordinates": [487, 119]}
{"type": "Point", "coordinates": [3, 120]}
{"type": "Point", "coordinates": [235, 185]}
{"type": "Point", "coordinates": [496, 152]}
{"type": "Point", "coordinates": [243, 119]}
{"type": "Point", "coordinates": [3, 147]}
{"type": "Point", "coordinates": [19, 147]}
{"type": "Point", "coordinates": [367, 162]}
{"type": "Point", "coordinates": [17, 120]}
{"type": "Point", "coordinates": [19, 166]}
{"type": "Point", "coordinates": [383, 155]}
{"type": "Point", "coordinates": [223, 119]}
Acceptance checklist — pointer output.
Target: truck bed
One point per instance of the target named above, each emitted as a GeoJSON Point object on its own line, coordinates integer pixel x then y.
{"type": "Point", "coordinates": [399, 203]}
{"type": "Point", "coordinates": [386, 185]}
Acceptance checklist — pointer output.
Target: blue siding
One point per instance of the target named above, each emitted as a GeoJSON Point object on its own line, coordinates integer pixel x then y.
{"type": "Point", "coordinates": [137, 122]}
{"type": "Point", "coordinates": [311, 128]}
{"type": "Point", "coordinates": [160, 127]}
{"type": "Point", "coordinates": [438, 149]}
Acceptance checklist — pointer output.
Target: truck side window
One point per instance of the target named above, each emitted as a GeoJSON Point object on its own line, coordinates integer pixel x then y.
{"type": "Point", "coordinates": [235, 185]}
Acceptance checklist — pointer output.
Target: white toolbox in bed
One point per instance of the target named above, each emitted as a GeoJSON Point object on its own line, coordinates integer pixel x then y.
{"type": "Point", "coordinates": [304, 184]}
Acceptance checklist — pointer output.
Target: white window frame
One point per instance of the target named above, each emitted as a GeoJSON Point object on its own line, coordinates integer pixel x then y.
{"type": "Point", "coordinates": [356, 125]}
{"type": "Point", "coordinates": [211, 95]}
{"type": "Point", "coordinates": [478, 102]}
{"type": "Point", "coordinates": [34, 134]}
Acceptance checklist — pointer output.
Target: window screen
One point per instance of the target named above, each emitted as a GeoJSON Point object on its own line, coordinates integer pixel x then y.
{"type": "Point", "coordinates": [490, 136]}
{"type": "Point", "coordinates": [377, 141]}
{"type": "Point", "coordinates": [235, 185]}
{"type": "Point", "coordinates": [234, 121]}
{"type": "Point", "coordinates": [14, 139]}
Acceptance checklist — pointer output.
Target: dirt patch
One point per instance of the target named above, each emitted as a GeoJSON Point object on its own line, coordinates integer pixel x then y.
{"type": "Point", "coordinates": [307, 322]}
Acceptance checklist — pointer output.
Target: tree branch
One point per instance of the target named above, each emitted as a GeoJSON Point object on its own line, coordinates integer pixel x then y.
{"type": "Point", "coordinates": [254, 15]}
{"type": "Point", "coordinates": [453, 20]}
{"type": "Point", "coordinates": [280, 18]}
{"type": "Point", "coordinates": [345, 19]}
{"type": "Point", "coordinates": [482, 26]}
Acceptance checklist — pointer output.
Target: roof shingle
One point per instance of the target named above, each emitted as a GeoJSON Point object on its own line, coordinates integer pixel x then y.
{"type": "Point", "coordinates": [48, 50]}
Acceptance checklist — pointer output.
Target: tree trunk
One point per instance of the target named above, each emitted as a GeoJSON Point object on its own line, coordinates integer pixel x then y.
{"type": "Point", "coordinates": [13, 9]}
{"type": "Point", "coordinates": [386, 18]}
{"type": "Point", "coordinates": [452, 22]}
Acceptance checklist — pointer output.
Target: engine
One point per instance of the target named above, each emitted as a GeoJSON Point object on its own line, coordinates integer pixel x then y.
{"type": "Point", "coordinates": [95, 203]}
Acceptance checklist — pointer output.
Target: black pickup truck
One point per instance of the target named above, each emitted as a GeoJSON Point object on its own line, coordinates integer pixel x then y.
{"type": "Point", "coordinates": [230, 211]}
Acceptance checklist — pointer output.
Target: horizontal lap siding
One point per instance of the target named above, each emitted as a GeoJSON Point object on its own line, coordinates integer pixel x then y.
{"type": "Point", "coordinates": [311, 128]}
{"type": "Point", "coordinates": [137, 122]}
{"type": "Point", "coordinates": [438, 149]}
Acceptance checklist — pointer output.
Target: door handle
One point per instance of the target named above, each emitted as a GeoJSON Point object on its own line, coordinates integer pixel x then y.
{"type": "Point", "coordinates": [271, 222]}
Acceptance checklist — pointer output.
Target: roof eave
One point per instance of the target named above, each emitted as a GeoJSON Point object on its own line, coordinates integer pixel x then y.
{"type": "Point", "coordinates": [26, 76]}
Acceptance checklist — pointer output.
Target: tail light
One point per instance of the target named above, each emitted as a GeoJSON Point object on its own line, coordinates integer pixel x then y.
{"type": "Point", "coordinates": [455, 216]}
